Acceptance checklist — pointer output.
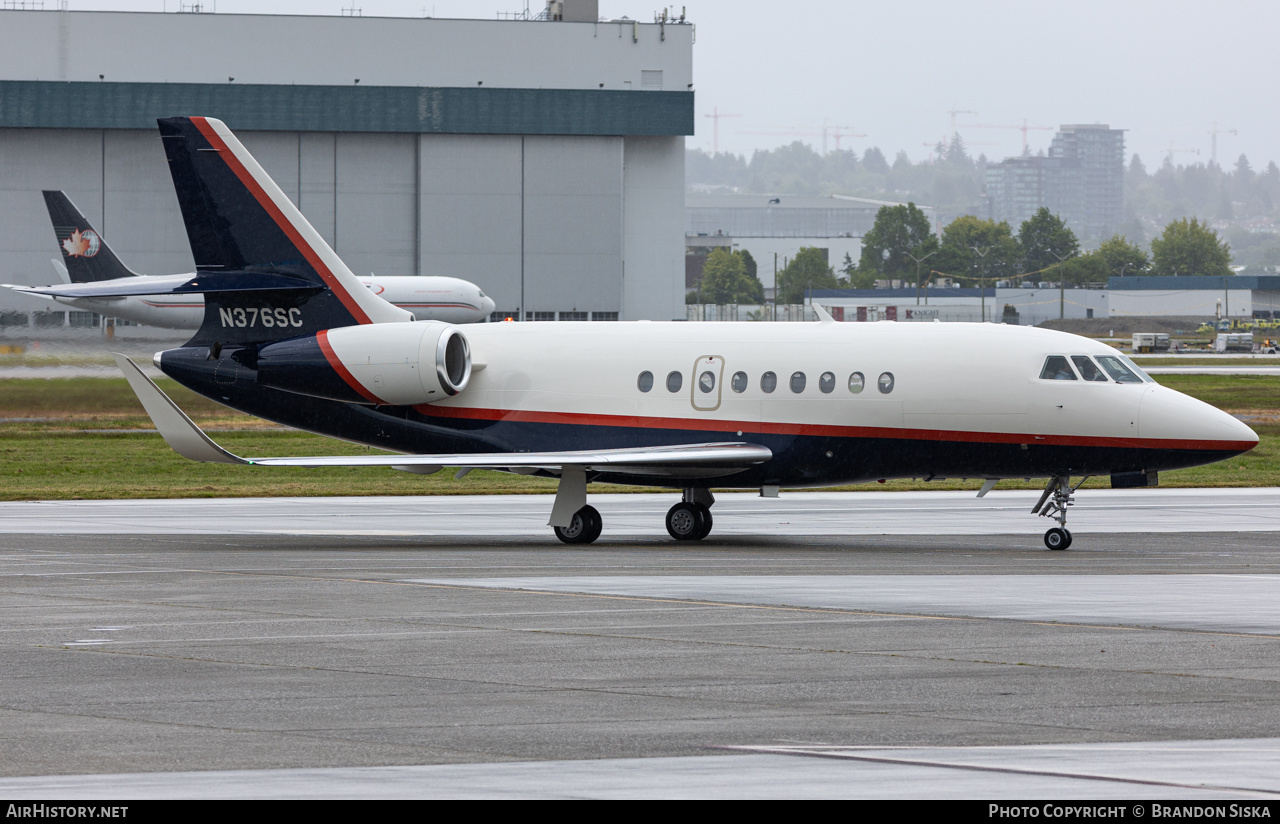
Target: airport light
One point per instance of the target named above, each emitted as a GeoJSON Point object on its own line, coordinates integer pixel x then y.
{"type": "Point", "coordinates": [918, 262]}
{"type": "Point", "coordinates": [982, 278]}
{"type": "Point", "coordinates": [1062, 285]}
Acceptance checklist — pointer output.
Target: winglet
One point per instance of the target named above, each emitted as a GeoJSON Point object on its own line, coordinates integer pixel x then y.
{"type": "Point", "coordinates": [177, 429]}
{"type": "Point", "coordinates": [823, 315]}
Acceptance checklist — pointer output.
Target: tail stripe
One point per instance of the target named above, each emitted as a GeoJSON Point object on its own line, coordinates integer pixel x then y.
{"type": "Point", "coordinates": [251, 183]}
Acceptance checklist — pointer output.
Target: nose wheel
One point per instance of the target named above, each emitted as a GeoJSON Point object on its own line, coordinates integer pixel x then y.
{"type": "Point", "coordinates": [1053, 504]}
{"type": "Point", "coordinates": [1057, 538]}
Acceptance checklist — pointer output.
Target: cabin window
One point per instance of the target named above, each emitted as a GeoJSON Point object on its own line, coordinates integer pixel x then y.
{"type": "Point", "coordinates": [1087, 368]}
{"type": "Point", "coordinates": [645, 381]}
{"type": "Point", "coordinates": [768, 382]}
{"type": "Point", "coordinates": [797, 382]}
{"type": "Point", "coordinates": [885, 383]}
{"type": "Point", "coordinates": [1117, 370]}
{"type": "Point", "coordinates": [1056, 368]}
{"type": "Point", "coordinates": [739, 382]}
{"type": "Point", "coordinates": [674, 381]}
{"type": "Point", "coordinates": [857, 381]}
{"type": "Point", "coordinates": [827, 383]}
{"type": "Point", "coordinates": [707, 382]}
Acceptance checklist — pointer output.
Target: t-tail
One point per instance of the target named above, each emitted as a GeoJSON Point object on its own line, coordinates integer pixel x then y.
{"type": "Point", "coordinates": [86, 255]}
{"type": "Point", "coordinates": [265, 272]}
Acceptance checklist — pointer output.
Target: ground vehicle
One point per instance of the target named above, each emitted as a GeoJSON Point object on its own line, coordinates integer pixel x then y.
{"type": "Point", "coordinates": [1150, 342]}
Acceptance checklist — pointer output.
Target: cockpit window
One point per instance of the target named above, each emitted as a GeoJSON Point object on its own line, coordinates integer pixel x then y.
{"type": "Point", "coordinates": [1056, 368]}
{"type": "Point", "coordinates": [1135, 369]}
{"type": "Point", "coordinates": [1117, 370]}
{"type": "Point", "coordinates": [1087, 368]}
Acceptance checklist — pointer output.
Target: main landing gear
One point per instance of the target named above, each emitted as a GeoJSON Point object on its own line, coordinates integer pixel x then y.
{"type": "Point", "coordinates": [689, 520]}
{"type": "Point", "coordinates": [583, 528]}
{"type": "Point", "coordinates": [1053, 505]}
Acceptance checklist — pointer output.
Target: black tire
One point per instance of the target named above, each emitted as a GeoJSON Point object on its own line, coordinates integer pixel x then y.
{"type": "Point", "coordinates": [597, 524]}
{"type": "Point", "coordinates": [584, 528]}
{"type": "Point", "coordinates": [685, 522]}
{"type": "Point", "coordinates": [707, 521]}
{"type": "Point", "coordinates": [1067, 545]}
{"type": "Point", "coordinates": [1057, 539]}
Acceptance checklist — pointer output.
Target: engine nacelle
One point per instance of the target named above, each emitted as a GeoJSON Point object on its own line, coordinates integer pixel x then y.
{"type": "Point", "coordinates": [400, 364]}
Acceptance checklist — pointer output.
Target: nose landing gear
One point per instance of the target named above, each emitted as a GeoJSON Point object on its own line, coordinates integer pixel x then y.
{"type": "Point", "coordinates": [1053, 504]}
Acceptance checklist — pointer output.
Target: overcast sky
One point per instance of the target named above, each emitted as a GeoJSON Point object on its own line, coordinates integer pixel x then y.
{"type": "Point", "coordinates": [1165, 70]}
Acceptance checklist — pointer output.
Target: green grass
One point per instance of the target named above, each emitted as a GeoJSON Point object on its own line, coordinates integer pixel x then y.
{"type": "Point", "coordinates": [56, 458]}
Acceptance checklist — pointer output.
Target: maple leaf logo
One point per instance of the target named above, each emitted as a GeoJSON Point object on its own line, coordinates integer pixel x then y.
{"type": "Point", "coordinates": [76, 245]}
{"type": "Point", "coordinates": [82, 244]}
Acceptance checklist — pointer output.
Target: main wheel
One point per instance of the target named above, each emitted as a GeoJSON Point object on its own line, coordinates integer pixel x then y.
{"type": "Point", "coordinates": [688, 522]}
{"type": "Point", "coordinates": [1057, 538]}
{"type": "Point", "coordinates": [583, 529]}
{"type": "Point", "coordinates": [706, 522]}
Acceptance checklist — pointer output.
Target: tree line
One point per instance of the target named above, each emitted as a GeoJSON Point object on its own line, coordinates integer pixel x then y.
{"type": "Point", "coordinates": [953, 182]}
{"type": "Point", "coordinates": [902, 246]}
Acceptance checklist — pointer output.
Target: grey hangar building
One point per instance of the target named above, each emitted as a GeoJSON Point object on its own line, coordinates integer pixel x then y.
{"type": "Point", "coordinates": [541, 159]}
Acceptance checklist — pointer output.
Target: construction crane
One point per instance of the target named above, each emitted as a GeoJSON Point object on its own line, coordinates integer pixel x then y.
{"type": "Point", "coordinates": [836, 131]}
{"type": "Point", "coordinates": [1172, 150]}
{"type": "Point", "coordinates": [715, 132]}
{"type": "Point", "coordinates": [936, 149]}
{"type": "Point", "coordinates": [1214, 132]}
{"type": "Point", "coordinates": [953, 111]}
{"type": "Point", "coordinates": [1024, 128]}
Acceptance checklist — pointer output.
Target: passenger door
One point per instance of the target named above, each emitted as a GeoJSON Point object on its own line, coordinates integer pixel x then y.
{"type": "Point", "coordinates": [708, 383]}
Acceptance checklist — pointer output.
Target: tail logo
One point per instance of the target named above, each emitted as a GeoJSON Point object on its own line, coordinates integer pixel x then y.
{"type": "Point", "coordinates": [82, 244]}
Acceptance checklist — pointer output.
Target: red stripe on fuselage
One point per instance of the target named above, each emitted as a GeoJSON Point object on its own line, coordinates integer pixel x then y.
{"type": "Point", "coordinates": [825, 430]}
{"type": "Point", "coordinates": [284, 223]}
{"type": "Point", "coordinates": [322, 337]}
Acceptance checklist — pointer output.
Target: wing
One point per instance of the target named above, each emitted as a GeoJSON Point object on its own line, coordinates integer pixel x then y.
{"type": "Point", "coordinates": [190, 284]}
{"type": "Point", "coordinates": [687, 460]}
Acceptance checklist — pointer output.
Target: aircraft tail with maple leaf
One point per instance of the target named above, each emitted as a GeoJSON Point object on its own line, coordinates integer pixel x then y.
{"type": "Point", "coordinates": [85, 254]}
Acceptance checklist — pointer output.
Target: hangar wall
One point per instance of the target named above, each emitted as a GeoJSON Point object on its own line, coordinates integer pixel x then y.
{"type": "Point", "coordinates": [571, 201]}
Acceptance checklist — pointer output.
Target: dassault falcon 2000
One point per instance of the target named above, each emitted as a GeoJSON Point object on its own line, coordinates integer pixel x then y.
{"type": "Point", "coordinates": [290, 335]}
{"type": "Point", "coordinates": [86, 258]}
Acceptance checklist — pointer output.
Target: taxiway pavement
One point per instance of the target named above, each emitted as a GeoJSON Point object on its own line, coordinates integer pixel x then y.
{"type": "Point", "coordinates": [818, 645]}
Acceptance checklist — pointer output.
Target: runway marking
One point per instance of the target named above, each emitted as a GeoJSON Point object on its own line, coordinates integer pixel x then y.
{"type": "Point", "coordinates": [841, 753]}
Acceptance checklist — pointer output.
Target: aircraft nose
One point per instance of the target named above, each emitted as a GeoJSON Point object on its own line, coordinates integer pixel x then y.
{"type": "Point", "coordinates": [488, 305]}
{"type": "Point", "coordinates": [1166, 414]}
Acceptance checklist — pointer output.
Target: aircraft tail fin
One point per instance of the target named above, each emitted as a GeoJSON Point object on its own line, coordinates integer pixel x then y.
{"type": "Point", "coordinates": [238, 220]}
{"type": "Point", "coordinates": [85, 253]}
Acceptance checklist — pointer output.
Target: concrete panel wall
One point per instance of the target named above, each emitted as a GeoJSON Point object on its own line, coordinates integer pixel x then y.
{"type": "Point", "coordinates": [141, 219]}
{"type": "Point", "coordinates": [573, 223]}
{"type": "Point", "coordinates": [316, 187]}
{"type": "Point", "coordinates": [470, 212]}
{"type": "Point", "coordinates": [653, 209]}
{"type": "Point", "coordinates": [328, 50]}
{"type": "Point", "coordinates": [377, 210]}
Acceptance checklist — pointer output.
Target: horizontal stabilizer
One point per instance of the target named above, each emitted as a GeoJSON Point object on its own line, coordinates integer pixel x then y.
{"type": "Point", "coordinates": [701, 460]}
{"type": "Point", "coordinates": [188, 284]}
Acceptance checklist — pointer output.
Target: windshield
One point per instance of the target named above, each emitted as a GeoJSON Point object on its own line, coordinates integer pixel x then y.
{"type": "Point", "coordinates": [1118, 370]}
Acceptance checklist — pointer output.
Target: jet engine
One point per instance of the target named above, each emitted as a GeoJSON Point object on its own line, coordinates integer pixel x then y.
{"type": "Point", "coordinates": [399, 364]}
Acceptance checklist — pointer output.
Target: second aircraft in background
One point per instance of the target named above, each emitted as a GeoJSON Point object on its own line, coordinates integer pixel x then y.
{"type": "Point", "coordinates": [86, 258]}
